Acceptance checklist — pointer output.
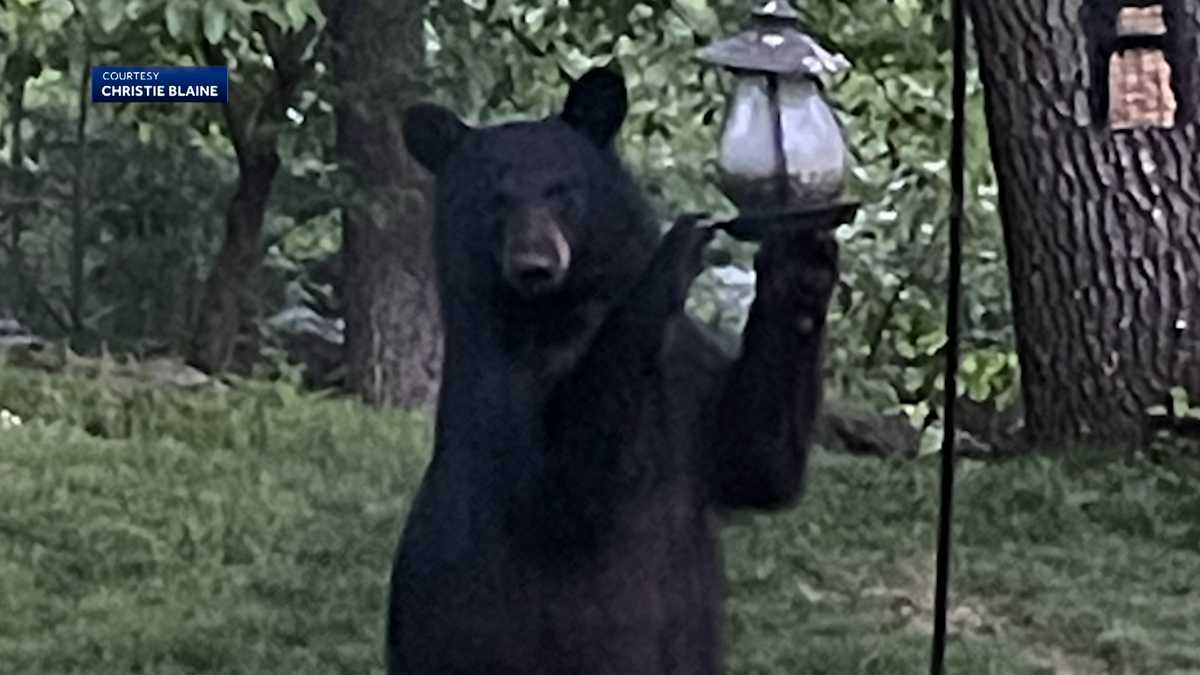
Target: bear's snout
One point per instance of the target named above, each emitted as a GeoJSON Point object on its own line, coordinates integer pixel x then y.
{"type": "Point", "coordinates": [536, 253]}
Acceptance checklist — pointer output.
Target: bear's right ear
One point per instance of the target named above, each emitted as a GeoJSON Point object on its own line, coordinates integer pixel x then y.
{"type": "Point", "coordinates": [431, 133]}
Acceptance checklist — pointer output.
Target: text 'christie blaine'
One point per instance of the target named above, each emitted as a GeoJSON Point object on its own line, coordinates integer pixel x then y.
{"type": "Point", "coordinates": [159, 90]}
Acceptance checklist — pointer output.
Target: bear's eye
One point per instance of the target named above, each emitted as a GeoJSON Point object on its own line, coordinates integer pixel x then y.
{"type": "Point", "coordinates": [555, 191]}
{"type": "Point", "coordinates": [501, 202]}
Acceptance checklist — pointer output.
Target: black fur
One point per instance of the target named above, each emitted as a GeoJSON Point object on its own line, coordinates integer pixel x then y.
{"type": "Point", "coordinates": [583, 441]}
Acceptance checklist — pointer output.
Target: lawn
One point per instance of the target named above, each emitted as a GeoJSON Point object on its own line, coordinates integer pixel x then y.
{"type": "Point", "coordinates": [250, 530]}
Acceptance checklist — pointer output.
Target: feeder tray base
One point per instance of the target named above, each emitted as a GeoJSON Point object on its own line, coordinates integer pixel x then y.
{"type": "Point", "coordinates": [754, 226]}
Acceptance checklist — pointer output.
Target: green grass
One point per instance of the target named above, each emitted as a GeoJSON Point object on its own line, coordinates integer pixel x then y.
{"type": "Point", "coordinates": [250, 530]}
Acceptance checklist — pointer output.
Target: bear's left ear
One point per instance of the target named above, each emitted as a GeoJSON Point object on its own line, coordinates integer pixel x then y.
{"type": "Point", "coordinates": [431, 133]}
{"type": "Point", "coordinates": [596, 105]}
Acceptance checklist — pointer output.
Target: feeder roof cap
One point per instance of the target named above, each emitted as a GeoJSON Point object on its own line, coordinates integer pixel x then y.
{"type": "Point", "coordinates": [774, 44]}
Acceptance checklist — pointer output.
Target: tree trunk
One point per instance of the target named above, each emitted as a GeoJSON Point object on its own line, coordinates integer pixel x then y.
{"type": "Point", "coordinates": [17, 296]}
{"type": "Point", "coordinates": [229, 292]}
{"type": "Point", "coordinates": [79, 237]}
{"type": "Point", "coordinates": [254, 118]}
{"type": "Point", "coordinates": [393, 332]}
{"type": "Point", "coordinates": [1102, 227]}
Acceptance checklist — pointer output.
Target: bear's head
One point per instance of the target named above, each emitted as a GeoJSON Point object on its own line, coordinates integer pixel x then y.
{"type": "Point", "coordinates": [537, 213]}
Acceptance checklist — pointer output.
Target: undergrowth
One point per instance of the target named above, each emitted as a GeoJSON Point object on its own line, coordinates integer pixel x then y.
{"type": "Point", "coordinates": [250, 530]}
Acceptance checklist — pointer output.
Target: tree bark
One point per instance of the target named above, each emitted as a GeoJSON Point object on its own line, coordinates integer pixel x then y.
{"type": "Point", "coordinates": [393, 331]}
{"type": "Point", "coordinates": [17, 296]}
{"type": "Point", "coordinates": [1101, 227]}
{"type": "Point", "coordinates": [79, 237]}
{"type": "Point", "coordinates": [229, 291]}
{"type": "Point", "coordinates": [254, 119]}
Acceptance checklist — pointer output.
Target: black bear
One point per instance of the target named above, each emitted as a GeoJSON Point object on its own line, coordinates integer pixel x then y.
{"type": "Point", "coordinates": [587, 428]}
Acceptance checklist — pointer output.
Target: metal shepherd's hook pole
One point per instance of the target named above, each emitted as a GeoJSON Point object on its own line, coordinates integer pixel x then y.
{"type": "Point", "coordinates": [953, 290]}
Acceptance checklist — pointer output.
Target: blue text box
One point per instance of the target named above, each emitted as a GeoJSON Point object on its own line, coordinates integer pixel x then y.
{"type": "Point", "coordinates": [160, 84]}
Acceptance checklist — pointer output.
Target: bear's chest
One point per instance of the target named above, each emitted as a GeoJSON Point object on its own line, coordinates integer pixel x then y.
{"type": "Point", "coordinates": [644, 601]}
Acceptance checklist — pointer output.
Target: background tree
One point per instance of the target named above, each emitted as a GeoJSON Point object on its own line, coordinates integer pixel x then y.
{"type": "Point", "coordinates": [1102, 226]}
{"type": "Point", "coordinates": [393, 343]}
{"type": "Point", "coordinates": [161, 180]}
{"type": "Point", "coordinates": [112, 201]}
{"type": "Point", "coordinates": [262, 89]}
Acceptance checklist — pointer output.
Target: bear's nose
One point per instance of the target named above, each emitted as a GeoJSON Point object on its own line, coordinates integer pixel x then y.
{"type": "Point", "coordinates": [534, 274]}
{"type": "Point", "coordinates": [536, 252]}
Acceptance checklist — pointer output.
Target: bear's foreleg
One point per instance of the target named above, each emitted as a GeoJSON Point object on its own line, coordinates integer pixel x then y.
{"type": "Point", "coordinates": [771, 395]}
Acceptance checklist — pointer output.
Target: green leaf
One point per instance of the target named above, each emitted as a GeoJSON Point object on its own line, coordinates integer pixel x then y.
{"type": "Point", "coordinates": [216, 20]}
{"type": "Point", "coordinates": [699, 15]}
{"type": "Point", "coordinates": [1084, 497]}
{"type": "Point", "coordinates": [930, 343]}
{"type": "Point", "coordinates": [1179, 401]}
{"type": "Point", "coordinates": [913, 378]}
{"type": "Point", "coordinates": [535, 19]}
{"type": "Point", "coordinates": [179, 15]}
{"type": "Point", "coordinates": [656, 75]}
{"type": "Point", "coordinates": [299, 12]}
{"type": "Point", "coordinates": [642, 106]}
{"type": "Point", "coordinates": [54, 14]}
{"type": "Point", "coordinates": [110, 14]}
{"type": "Point", "coordinates": [931, 440]}
{"type": "Point", "coordinates": [979, 390]}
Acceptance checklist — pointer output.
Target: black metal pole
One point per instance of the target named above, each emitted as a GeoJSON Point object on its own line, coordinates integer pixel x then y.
{"type": "Point", "coordinates": [953, 289]}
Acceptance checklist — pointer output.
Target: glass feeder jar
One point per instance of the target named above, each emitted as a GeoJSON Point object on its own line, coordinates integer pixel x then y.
{"type": "Point", "coordinates": [781, 147]}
